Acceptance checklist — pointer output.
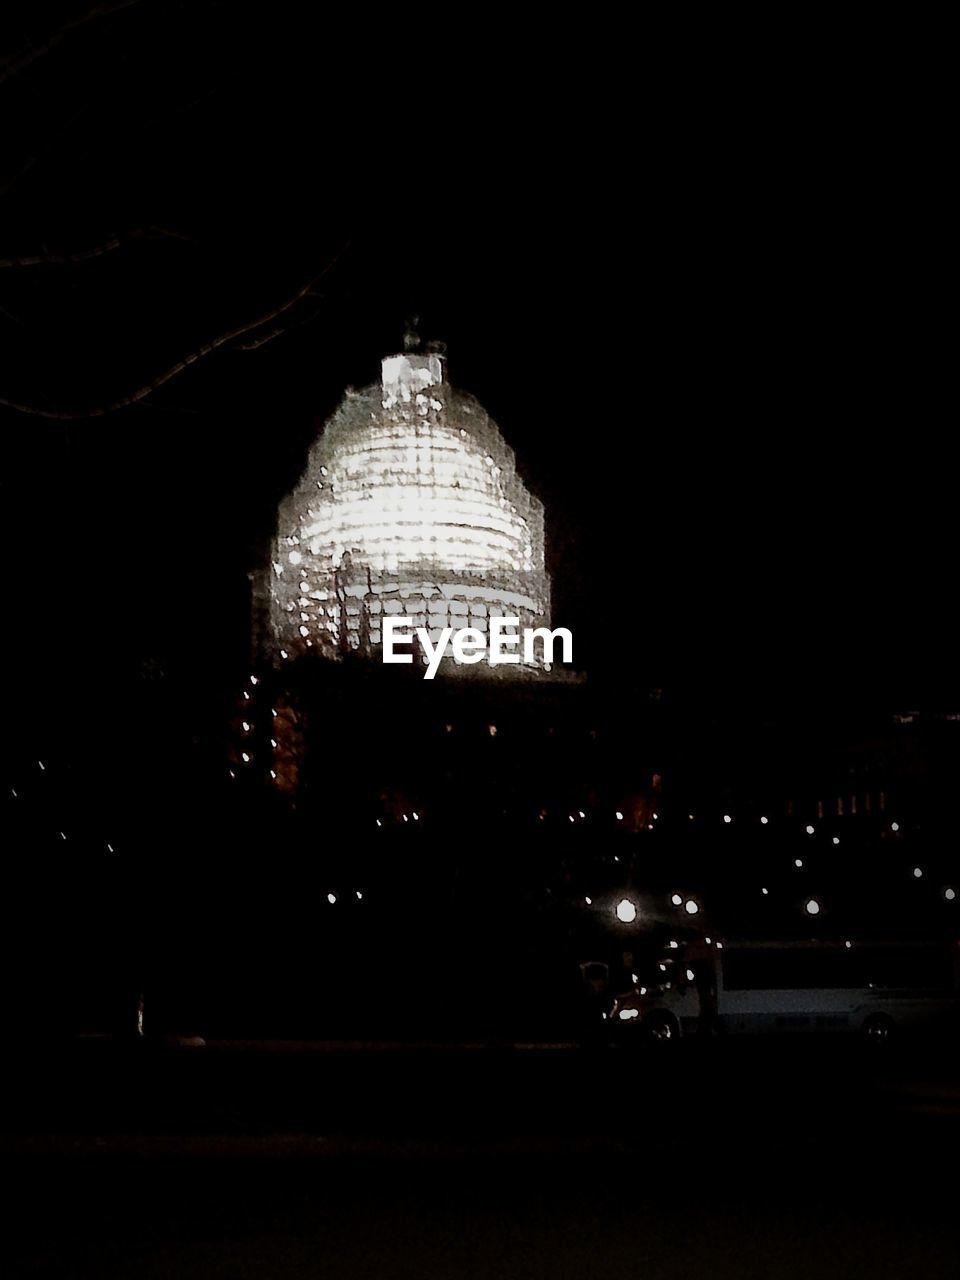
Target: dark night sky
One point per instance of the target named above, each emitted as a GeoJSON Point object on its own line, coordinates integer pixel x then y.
{"type": "Point", "coordinates": [709, 322]}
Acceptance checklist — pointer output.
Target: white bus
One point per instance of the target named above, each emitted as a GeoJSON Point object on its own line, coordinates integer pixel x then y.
{"type": "Point", "coordinates": [873, 989]}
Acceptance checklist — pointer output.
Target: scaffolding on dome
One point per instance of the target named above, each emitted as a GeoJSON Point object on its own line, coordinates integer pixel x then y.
{"type": "Point", "coordinates": [410, 505]}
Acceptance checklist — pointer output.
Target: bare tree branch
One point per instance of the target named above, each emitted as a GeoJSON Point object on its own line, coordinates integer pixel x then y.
{"type": "Point", "coordinates": [15, 65]}
{"type": "Point", "coordinates": [215, 344]}
{"type": "Point", "coordinates": [49, 257]}
{"type": "Point", "coordinates": [260, 342]}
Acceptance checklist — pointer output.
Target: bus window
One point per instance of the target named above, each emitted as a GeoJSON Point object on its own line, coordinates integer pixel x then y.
{"type": "Point", "coordinates": [786, 968]}
{"type": "Point", "coordinates": [928, 967]}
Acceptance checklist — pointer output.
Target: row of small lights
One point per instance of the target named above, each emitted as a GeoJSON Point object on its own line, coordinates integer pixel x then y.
{"type": "Point", "coordinates": [62, 834]}
{"type": "Point", "coordinates": [810, 830]}
{"type": "Point", "coordinates": [626, 910]}
{"type": "Point", "coordinates": [572, 817]}
{"type": "Point", "coordinates": [618, 814]}
{"type": "Point", "coordinates": [727, 820]}
{"type": "Point", "coordinates": [690, 906]}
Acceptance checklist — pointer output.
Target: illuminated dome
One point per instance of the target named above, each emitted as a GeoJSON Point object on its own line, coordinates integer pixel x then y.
{"type": "Point", "coordinates": [410, 505]}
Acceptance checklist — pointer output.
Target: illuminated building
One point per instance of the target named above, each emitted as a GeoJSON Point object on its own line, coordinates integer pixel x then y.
{"type": "Point", "coordinates": [410, 505]}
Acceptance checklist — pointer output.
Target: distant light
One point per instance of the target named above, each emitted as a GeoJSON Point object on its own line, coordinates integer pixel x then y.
{"type": "Point", "coordinates": [244, 757]}
{"type": "Point", "coordinates": [616, 858]}
{"type": "Point", "coordinates": [331, 898]}
{"type": "Point", "coordinates": [690, 975]}
{"type": "Point", "coordinates": [62, 836]}
{"type": "Point", "coordinates": [634, 979]}
{"type": "Point", "coordinates": [273, 774]}
{"type": "Point", "coordinates": [405, 818]}
{"type": "Point", "coordinates": [663, 968]}
{"type": "Point", "coordinates": [676, 899]}
{"type": "Point", "coordinates": [656, 816]}
{"type": "Point", "coordinates": [764, 892]}
{"type": "Point", "coordinates": [727, 818]}
{"type": "Point", "coordinates": [273, 742]}
{"type": "Point", "coordinates": [379, 823]}
{"type": "Point", "coordinates": [690, 817]}
{"type": "Point", "coordinates": [626, 911]}
{"type": "Point", "coordinates": [764, 821]}
{"type": "Point", "coordinates": [492, 730]}
{"type": "Point", "coordinates": [359, 896]}
{"type": "Point", "coordinates": [719, 946]}
{"type": "Point", "coordinates": [416, 817]}
{"type": "Point", "coordinates": [809, 831]}
{"type": "Point", "coordinates": [246, 698]}
{"type": "Point", "coordinates": [43, 767]}
{"type": "Point", "coordinates": [283, 654]}
{"type": "Point", "coordinates": [626, 1014]}
{"type": "Point", "coordinates": [894, 826]}
{"type": "Point", "coordinates": [798, 862]}
{"type": "Point", "coordinates": [254, 680]}
{"type": "Point", "coordinates": [581, 813]}
{"type": "Point", "coordinates": [672, 945]}
{"type": "Point", "coordinates": [691, 907]}
{"type": "Point", "coordinates": [917, 873]}
{"type": "Point", "coordinates": [812, 907]}
{"type": "Point", "coordinates": [619, 816]}
{"type": "Point", "coordinates": [848, 945]}
{"type": "Point", "coordinates": [246, 726]}
{"type": "Point", "coordinates": [707, 941]}
{"type": "Point", "coordinates": [836, 839]}
{"type": "Point", "coordinates": [294, 557]}
{"type": "Point", "coordinates": [949, 894]}
{"type": "Point", "coordinates": [571, 818]}
{"type": "Point", "coordinates": [588, 901]}
{"type": "Point", "coordinates": [109, 848]}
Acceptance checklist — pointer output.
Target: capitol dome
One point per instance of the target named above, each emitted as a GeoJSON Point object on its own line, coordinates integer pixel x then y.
{"type": "Point", "coordinates": [410, 505]}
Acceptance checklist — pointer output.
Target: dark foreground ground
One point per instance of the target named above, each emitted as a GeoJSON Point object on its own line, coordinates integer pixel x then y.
{"type": "Point", "coordinates": [690, 1159]}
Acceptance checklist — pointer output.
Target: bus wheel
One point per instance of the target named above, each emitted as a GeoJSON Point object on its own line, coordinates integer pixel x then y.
{"type": "Point", "coordinates": [660, 1026]}
{"type": "Point", "coordinates": [878, 1027]}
